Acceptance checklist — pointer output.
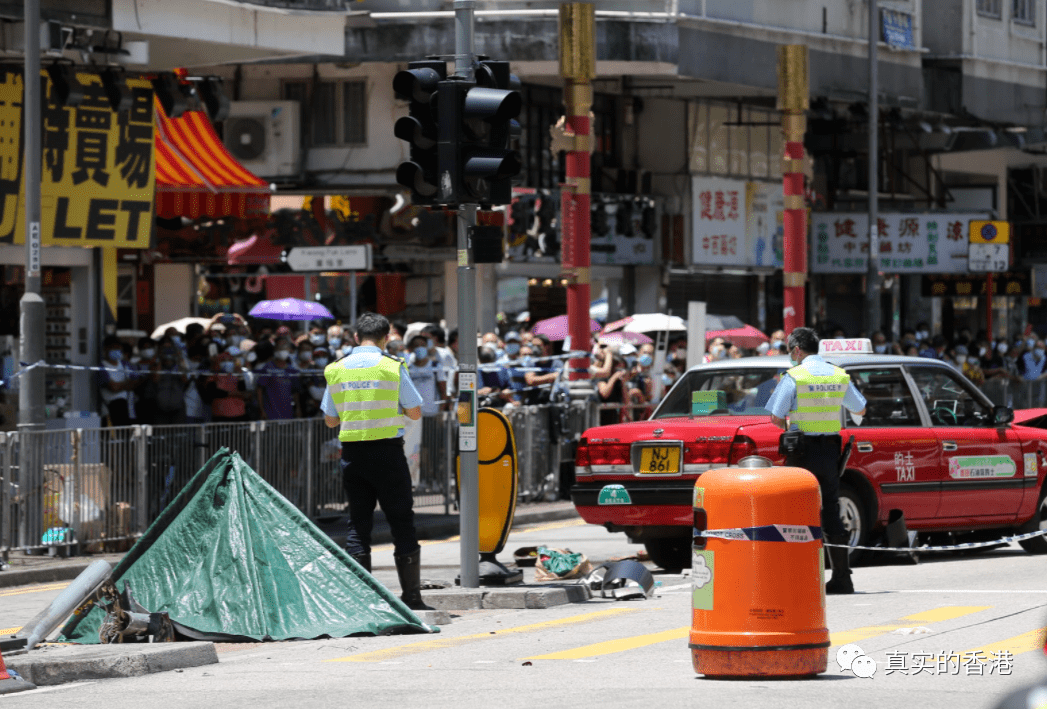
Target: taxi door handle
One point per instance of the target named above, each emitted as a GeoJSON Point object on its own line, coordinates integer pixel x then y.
{"type": "Point", "coordinates": [865, 447]}
{"type": "Point", "coordinates": [949, 446]}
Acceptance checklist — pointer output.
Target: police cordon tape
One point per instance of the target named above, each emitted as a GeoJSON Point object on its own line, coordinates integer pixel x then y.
{"type": "Point", "coordinates": [802, 533]}
{"type": "Point", "coordinates": [26, 367]}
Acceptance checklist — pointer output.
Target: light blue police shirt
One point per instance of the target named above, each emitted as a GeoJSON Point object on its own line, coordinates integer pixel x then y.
{"type": "Point", "coordinates": [369, 356]}
{"type": "Point", "coordinates": [783, 399]}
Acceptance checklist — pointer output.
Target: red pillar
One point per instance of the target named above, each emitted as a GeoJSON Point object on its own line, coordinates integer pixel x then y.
{"type": "Point", "coordinates": [794, 239]}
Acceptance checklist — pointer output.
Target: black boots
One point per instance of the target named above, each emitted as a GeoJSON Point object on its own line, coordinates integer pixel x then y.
{"type": "Point", "coordinates": [409, 569]}
{"type": "Point", "coordinates": [841, 564]}
{"type": "Point", "coordinates": [363, 560]}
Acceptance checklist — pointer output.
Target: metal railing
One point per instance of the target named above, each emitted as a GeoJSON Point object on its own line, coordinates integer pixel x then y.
{"type": "Point", "coordinates": [1017, 394]}
{"type": "Point", "coordinates": [108, 485]}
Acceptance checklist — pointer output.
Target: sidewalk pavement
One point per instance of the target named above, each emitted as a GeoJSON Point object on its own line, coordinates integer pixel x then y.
{"type": "Point", "coordinates": [431, 523]}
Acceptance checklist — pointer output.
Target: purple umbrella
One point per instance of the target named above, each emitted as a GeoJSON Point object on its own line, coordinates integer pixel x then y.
{"type": "Point", "coordinates": [619, 337]}
{"type": "Point", "coordinates": [290, 309]}
{"type": "Point", "coordinates": [556, 328]}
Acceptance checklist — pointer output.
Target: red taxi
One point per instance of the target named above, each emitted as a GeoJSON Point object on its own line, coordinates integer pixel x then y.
{"type": "Point", "coordinates": [930, 445]}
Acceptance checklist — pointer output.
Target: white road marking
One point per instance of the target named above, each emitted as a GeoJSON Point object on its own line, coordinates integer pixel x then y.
{"type": "Point", "coordinates": [962, 590]}
{"type": "Point", "coordinates": [42, 690]}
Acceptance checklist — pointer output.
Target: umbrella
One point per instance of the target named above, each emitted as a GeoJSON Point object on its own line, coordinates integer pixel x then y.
{"type": "Point", "coordinates": [656, 322]}
{"type": "Point", "coordinates": [180, 325]}
{"type": "Point", "coordinates": [746, 336]}
{"type": "Point", "coordinates": [620, 337]}
{"type": "Point", "coordinates": [290, 309]}
{"type": "Point", "coordinates": [556, 328]}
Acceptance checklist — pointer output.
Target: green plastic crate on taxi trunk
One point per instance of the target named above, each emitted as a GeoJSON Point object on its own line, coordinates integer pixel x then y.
{"type": "Point", "coordinates": [705, 402]}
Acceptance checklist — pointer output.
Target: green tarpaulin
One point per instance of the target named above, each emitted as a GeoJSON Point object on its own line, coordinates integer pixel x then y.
{"type": "Point", "coordinates": [231, 559]}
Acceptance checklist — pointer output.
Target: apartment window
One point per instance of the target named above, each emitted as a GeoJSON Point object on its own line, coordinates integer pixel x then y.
{"type": "Point", "coordinates": [1025, 11]}
{"type": "Point", "coordinates": [991, 8]}
{"type": "Point", "coordinates": [334, 112]}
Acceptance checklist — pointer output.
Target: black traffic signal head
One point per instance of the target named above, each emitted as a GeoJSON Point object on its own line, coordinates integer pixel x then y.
{"type": "Point", "coordinates": [623, 222]}
{"type": "Point", "coordinates": [649, 221]}
{"type": "Point", "coordinates": [418, 85]}
{"type": "Point", "coordinates": [598, 218]}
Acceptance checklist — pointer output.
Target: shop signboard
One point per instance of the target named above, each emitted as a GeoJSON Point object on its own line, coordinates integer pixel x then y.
{"type": "Point", "coordinates": [909, 243]}
{"type": "Point", "coordinates": [719, 218]}
{"type": "Point", "coordinates": [98, 170]}
{"type": "Point", "coordinates": [1013, 283]}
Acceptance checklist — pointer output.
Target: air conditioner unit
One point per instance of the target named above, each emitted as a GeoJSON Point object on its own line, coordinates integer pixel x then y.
{"type": "Point", "coordinates": [265, 136]}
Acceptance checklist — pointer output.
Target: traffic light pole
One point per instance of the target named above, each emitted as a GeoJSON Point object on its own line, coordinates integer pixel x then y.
{"type": "Point", "coordinates": [32, 310]}
{"type": "Point", "coordinates": [469, 476]}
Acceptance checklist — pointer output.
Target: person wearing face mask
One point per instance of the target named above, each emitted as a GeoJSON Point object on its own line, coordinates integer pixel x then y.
{"type": "Point", "coordinates": [716, 350]}
{"type": "Point", "coordinates": [197, 407]}
{"type": "Point", "coordinates": [314, 385]}
{"type": "Point", "coordinates": [1034, 362]}
{"type": "Point", "coordinates": [115, 383]}
{"type": "Point", "coordinates": [972, 369]}
{"type": "Point", "coordinates": [359, 402]}
{"type": "Point", "coordinates": [613, 390]}
{"type": "Point", "coordinates": [334, 339]}
{"type": "Point", "coordinates": [512, 362]}
{"type": "Point", "coordinates": [880, 344]}
{"type": "Point", "coordinates": [146, 377]}
{"type": "Point", "coordinates": [170, 386]}
{"type": "Point", "coordinates": [427, 376]}
{"type": "Point", "coordinates": [317, 337]}
{"type": "Point", "coordinates": [278, 385]}
{"type": "Point", "coordinates": [227, 391]}
{"type": "Point", "coordinates": [814, 443]}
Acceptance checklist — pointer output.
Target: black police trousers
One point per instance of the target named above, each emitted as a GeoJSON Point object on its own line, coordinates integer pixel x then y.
{"type": "Point", "coordinates": [821, 456]}
{"type": "Point", "coordinates": [377, 472]}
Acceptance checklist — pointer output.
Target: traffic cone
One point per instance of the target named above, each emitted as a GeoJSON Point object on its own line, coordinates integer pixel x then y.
{"type": "Point", "coordinates": [9, 684]}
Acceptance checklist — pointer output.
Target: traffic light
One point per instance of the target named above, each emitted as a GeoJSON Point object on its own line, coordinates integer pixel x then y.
{"type": "Point", "coordinates": [649, 220]}
{"type": "Point", "coordinates": [598, 218]}
{"type": "Point", "coordinates": [477, 124]}
{"type": "Point", "coordinates": [623, 223]}
{"type": "Point", "coordinates": [487, 244]}
{"type": "Point", "coordinates": [418, 84]}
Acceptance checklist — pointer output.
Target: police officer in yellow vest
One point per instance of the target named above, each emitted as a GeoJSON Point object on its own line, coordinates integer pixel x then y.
{"type": "Point", "coordinates": [368, 394]}
{"type": "Point", "coordinates": [813, 391]}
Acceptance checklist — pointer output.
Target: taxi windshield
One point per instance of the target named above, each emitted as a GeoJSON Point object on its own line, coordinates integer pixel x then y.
{"type": "Point", "coordinates": [719, 392]}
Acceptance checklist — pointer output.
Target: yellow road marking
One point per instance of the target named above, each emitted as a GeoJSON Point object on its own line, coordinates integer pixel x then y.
{"type": "Point", "coordinates": [529, 530]}
{"type": "Point", "coordinates": [9, 631]}
{"type": "Point", "coordinates": [444, 642]}
{"type": "Point", "coordinates": [1026, 642]}
{"type": "Point", "coordinates": [35, 589]}
{"type": "Point", "coordinates": [936, 615]}
{"type": "Point", "coordinates": [613, 646]}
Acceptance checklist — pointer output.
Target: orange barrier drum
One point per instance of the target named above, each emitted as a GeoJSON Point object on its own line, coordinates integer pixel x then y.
{"type": "Point", "coordinates": [758, 597]}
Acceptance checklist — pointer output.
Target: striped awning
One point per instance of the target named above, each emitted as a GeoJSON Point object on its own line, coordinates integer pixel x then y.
{"type": "Point", "coordinates": [197, 177]}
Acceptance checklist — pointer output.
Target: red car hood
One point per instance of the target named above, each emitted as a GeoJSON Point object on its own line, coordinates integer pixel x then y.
{"type": "Point", "coordinates": [1023, 415]}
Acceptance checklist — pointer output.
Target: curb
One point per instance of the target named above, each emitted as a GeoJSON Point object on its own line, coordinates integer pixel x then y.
{"type": "Point", "coordinates": [433, 530]}
{"type": "Point", "coordinates": [48, 666]}
{"type": "Point", "coordinates": [507, 597]}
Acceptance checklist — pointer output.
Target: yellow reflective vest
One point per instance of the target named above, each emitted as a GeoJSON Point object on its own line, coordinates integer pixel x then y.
{"type": "Point", "coordinates": [818, 399]}
{"type": "Point", "coordinates": [367, 399]}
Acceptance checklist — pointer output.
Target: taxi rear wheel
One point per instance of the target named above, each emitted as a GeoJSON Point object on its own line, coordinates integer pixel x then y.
{"type": "Point", "coordinates": [1038, 523]}
{"type": "Point", "coordinates": [670, 553]}
{"type": "Point", "coordinates": [853, 516]}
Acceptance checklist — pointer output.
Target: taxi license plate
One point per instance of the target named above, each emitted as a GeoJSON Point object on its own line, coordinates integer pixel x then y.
{"type": "Point", "coordinates": [660, 459]}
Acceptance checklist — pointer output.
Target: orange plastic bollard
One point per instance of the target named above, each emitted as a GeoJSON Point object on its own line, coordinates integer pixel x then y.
{"type": "Point", "coordinates": [758, 598]}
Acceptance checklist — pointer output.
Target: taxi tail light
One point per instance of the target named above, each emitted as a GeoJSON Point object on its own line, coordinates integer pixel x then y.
{"type": "Point", "coordinates": [581, 458]}
{"type": "Point", "coordinates": [609, 454]}
{"type": "Point", "coordinates": [741, 447]}
{"type": "Point", "coordinates": [706, 452]}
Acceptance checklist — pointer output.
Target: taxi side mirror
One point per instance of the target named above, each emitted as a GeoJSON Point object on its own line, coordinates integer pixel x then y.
{"type": "Point", "coordinates": [1002, 415]}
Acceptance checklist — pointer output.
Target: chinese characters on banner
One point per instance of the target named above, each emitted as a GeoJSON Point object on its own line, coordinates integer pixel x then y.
{"type": "Point", "coordinates": [98, 177]}
{"type": "Point", "coordinates": [909, 243]}
{"type": "Point", "coordinates": [719, 221]}
{"type": "Point", "coordinates": [737, 223]}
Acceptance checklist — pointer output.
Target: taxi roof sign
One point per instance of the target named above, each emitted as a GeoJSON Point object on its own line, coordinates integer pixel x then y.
{"type": "Point", "coordinates": [852, 346]}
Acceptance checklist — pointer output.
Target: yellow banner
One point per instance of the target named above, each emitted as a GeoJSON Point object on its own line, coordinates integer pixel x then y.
{"type": "Point", "coordinates": [98, 169]}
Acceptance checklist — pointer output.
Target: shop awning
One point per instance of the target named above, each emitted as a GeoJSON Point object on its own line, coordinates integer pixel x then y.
{"type": "Point", "coordinates": [197, 177]}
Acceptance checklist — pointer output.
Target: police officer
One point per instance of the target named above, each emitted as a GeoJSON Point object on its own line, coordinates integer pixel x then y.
{"type": "Point", "coordinates": [813, 391]}
{"type": "Point", "coordinates": [368, 394]}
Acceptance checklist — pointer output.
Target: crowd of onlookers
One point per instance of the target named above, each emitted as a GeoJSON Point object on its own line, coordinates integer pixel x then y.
{"type": "Point", "coordinates": [226, 371]}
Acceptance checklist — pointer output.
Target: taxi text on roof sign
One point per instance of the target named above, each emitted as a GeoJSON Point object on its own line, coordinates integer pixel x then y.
{"type": "Point", "coordinates": [858, 345]}
{"type": "Point", "coordinates": [98, 171]}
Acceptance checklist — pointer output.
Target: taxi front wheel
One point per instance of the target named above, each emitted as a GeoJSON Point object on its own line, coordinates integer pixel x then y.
{"type": "Point", "coordinates": [1038, 523]}
{"type": "Point", "coordinates": [853, 516]}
